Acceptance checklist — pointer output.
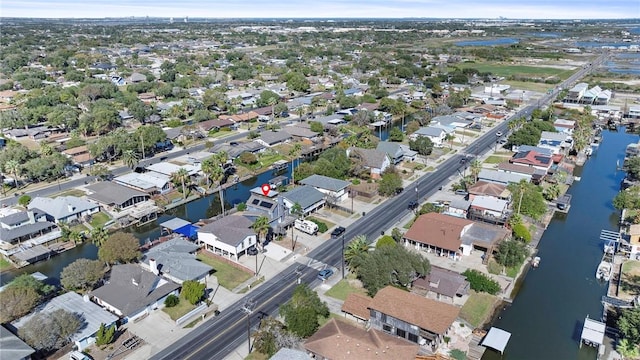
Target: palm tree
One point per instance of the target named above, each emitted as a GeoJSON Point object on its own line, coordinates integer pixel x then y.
{"type": "Point", "coordinates": [261, 226]}
{"type": "Point", "coordinates": [450, 137]}
{"type": "Point", "coordinates": [355, 251]}
{"type": "Point", "coordinates": [627, 349]}
{"type": "Point", "coordinates": [180, 177]}
{"type": "Point", "coordinates": [272, 102]}
{"type": "Point", "coordinates": [294, 153]}
{"type": "Point", "coordinates": [130, 158]}
{"type": "Point", "coordinates": [13, 167]}
{"type": "Point", "coordinates": [99, 235]}
{"type": "Point", "coordinates": [476, 167]}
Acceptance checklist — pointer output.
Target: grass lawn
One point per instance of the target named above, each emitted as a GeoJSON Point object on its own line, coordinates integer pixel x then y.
{"type": "Point", "coordinates": [630, 283]}
{"type": "Point", "coordinates": [4, 264]}
{"type": "Point", "coordinates": [524, 70]}
{"type": "Point", "coordinates": [478, 308]}
{"type": "Point", "coordinates": [530, 86]}
{"type": "Point", "coordinates": [228, 276]}
{"type": "Point", "coordinates": [254, 355]}
{"type": "Point", "coordinates": [179, 310]}
{"type": "Point", "coordinates": [99, 219]}
{"type": "Point", "coordinates": [342, 289]}
{"type": "Point", "coordinates": [494, 159]}
{"type": "Point", "coordinates": [79, 228]}
{"type": "Point", "coordinates": [70, 192]}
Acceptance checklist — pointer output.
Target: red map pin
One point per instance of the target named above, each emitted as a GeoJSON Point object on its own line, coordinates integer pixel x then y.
{"type": "Point", "coordinates": [265, 189]}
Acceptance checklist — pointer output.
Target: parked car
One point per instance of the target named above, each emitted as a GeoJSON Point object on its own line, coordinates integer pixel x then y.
{"type": "Point", "coordinates": [461, 192]}
{"type": "Point", "coordinates": [325, 274]}
{"type": "Point", "coordinates": [337, 231]}
{"type": "Point", "coordinates": [252, 251]}
{"type": "Point", "coordinates": [77, 355]}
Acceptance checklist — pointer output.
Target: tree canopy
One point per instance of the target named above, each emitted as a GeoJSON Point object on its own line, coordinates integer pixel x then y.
{"type": "Point", "coordinates": [82, 274]}
{"type": "Point", "coordinates": [528, 199]}
{"type": "Point", "coordinates": [390, 182]}
{"type": "Point", "coordinates": [301, 313]}
{"type": "Point", "coordinates": [192, 291]}
{"type": "Point", "coordinates": [422, 144]}
{"type": "Point", "coordinates": [511, 253]}
{"type": "Point", "coordinates": [120, 247]}
{"type": "Point", "coordinates": [50, 330]}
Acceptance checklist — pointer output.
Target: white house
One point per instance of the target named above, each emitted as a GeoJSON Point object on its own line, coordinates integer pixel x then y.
{"type": "Point", "coordinates": [64, 209]}
{"type": "Point", "coordinates": [152, 182]}
{"type": "Point", "coordinates": [229, 236]}
{"type": "Point", "coordinates": [334, 188]}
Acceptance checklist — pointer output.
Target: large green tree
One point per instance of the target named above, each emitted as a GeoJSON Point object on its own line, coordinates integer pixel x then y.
{"type": "Point", "coordinates": [192, 291]}
{"type": "Point", "coordinates": [82, 274]}
{"type": "Point", "coordinates": [302, 313]}
{"type": "Point", "coordinates": [21, 296]}
{"type": "Point", "coordinates": [120, 247]}
{"type": "Point", "coordinates": [629, 325]}
{"type": "Point", "coordinates": [422, 144]}
{"type": "Point", "coordinates": [528, 199]}
{"type": "Point", "coordinates": [390, 182]}
{"type": "Point", "coordinates": [50, 330]}
{"type": "Point", "coordinates": [511, 253]}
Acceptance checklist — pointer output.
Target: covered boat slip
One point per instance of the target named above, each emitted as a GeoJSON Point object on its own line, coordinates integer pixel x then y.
{"type": "Point", "coordinates": [592, 333]}
{"type": "Point", "coordinates": [180, 226]}
{"type": "Point", "coordinates": [496, 339]}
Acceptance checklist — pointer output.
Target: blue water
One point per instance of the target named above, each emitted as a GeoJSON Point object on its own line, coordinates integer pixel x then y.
{"type": "Point", "coordinates": [544, 34]}
{"type": "Point", "coordinates": [490, 42]}
{"type": "Point", "coordinates": [194, 211]}
{"type": "Point", "coordinates": [547, 315]}
{"type": "Point", "coordinates": [597, 44]}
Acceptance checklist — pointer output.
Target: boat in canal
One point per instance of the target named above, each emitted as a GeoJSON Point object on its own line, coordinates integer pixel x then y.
{"type": "Point", "coordinates": [535, 262]}
{"type": "Point", "coordinates": [604, 270]}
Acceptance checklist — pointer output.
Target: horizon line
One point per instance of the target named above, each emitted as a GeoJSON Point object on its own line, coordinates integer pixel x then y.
{"type": "Point", "coordinates": [316, 18]}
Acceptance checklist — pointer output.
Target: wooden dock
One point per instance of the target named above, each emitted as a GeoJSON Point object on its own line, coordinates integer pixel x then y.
{"type": "Point", "coordinates": [475, 349]}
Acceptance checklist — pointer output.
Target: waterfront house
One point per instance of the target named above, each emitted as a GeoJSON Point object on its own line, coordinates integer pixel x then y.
{"type": "Point", "coordinates": [64, 209]}
{"type": "Point", "coordinates": [393, 150]}
{"type": "Point", "coordinates": [132, 292]}
{"type": "Point", "coordinates": [340, 340]}
{"type": "Point", "coordinates": [532, 159]}
{"type": "Point", "coordinates": [435, 134]}
{"type": "Point", "coordinates": [489, 209]}
{"type": "Point", "coordinates": [13, 347]}
{"type": "Point", "coordinates": [557, 142]}
{"type": "Point", "coordinates": [334, 188]}
{"type": "Point", "coordinates": [441, 284]}
{"type": "Point", "coordinates": [25, 226]}
{"type": "Point", "coordinates": [374, 160]}
{"type": "Point", "coordinates": [525, 171]}
{"type": "Point", "coordinates": [299, 132]}
{"type": "Point", "coordinates": [152, 183]}
{"type": "Point", "coordinates": [166, 168]}
{"type": "Point", "coordinates": [634, 241]}
{"type": "Point", "coordinates": [229, 236]}
{"type": "Point", "coordinates": [273, 138]}
{"type": "Point", "coordinates": [564, 126]}
{"type": "Point", "coordinates": [176, 261]}
{"type": "Point", "coordinates": [501, 177]}
{"type": "Point", "coordinates": [115, 196]}
{"type": "Point", "coordinates": [486, 188]}
{"type": "Point", "coordinates": [412, 317]}
{"type": "Point", "coordinates": [439, 233]}
{"type": "Point", "coordinates": [309, 198]}
{"type": "Point", "coordinates": [91, 314]}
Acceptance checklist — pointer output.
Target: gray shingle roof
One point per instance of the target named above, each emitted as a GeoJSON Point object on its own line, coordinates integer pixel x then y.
{"type": "Point", "coordinates": [12, 347]}
{"type": "Point", "coordinates": [62, 206]}
{"type": "Point", "coordinates": [129, 298]}
{"type": "Point", "coordinates": [231, 229]}
{"type": "Point", "coordinates": [106, 192]}
{"type": "Point", "coordinates": [274, 137]}
{"type": "Point", "coordinates": [176, 257]}
{"type": "Point", "coordinates": [325, 182]}
{"type": "Point", "coordinates": [390, 148]}
{"type": "Point", "coordinates": [8, 235]}
{"type": "Point", "coordinates": [305, 195]}
{"type": "Point", "coordinates": [371, 157]}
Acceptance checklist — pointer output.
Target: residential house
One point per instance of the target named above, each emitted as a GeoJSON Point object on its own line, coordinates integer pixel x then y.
{"type": "Point", "coordinates": [309, 198]}
{"type": "Point", "coordinates": [435, 134]}
{"type": "Point", "coordinates": [12, 347]}
{"type": "Point", "coordinates": [290, 354]}
{"type": "Point", "coordinates": [33, 133]}
{"type": "Point", "coordinates": [574, 95]}
{"type": "Point", "coordinates": [338, 340]}
{"type": "Point", "coordinates": [393, 150]}
{"type": "Point", "coordinates": [564, 126]}
{"type": "Point", "coordinates": [147, 97]}
{"type": "Point", "coordinates": [439, 233]}
{"type": "Point", "coordinates": [501, 177]}
{"type": "Point", "coordinates": [115, 196]}
{"type": "Point", "coordinates": [458, 207]}
{"type": "Point", "coordinates": [634, 112]}
{"type": "Point", "coordinates": [91, 314]}
{"type": "Point", "coordinates": [634, 241]}
{"type": "Point", "coordinates": [64, 209]}
{"type": "Point", "coordinates": [176, 261]}
{"type": "Point", "coordinates": [244, 117]}
{"type": "Point", "coordinates": [132, 292]}
{"type": "Point", "coordinates": [489, 209]}
{"type": "Point", "coordinates": [523, 170]}
{"type": "Point", "coordinates": [273, 138]}
{"type": "Point", "coordinates": [333, 188]}
{"type": "Point", "coordinates": [137, 77]}
{"type": "Point", "coordinates": [357, 305]}
{"type": "Point", "coordinates": [489, 189]}
{"type": "Point", "coordinates": [441, 284]}
{"type": "Point", "coordinates": [532, 159]}
{"type": "Point", "coordinates": [557, 142]}
{"type": "Point", "coordinates": [167, 169]}
{"type": "Point", "coordinates": [374, 160]}
{"type": "Point", "coordinates": [151, 183]}
{"type": "Point", "coordinates": [299, 132]}
{"type": "Point", "coordinates": [214, 124]}
{"type": "Point", "coordinates": [79, 155]}
{"type": "Point", "coordinates": [412, 317]}
{"type": "Point", "coordinates": [23, 226]}
{"type": "Point", "coordinates": [229, 236]}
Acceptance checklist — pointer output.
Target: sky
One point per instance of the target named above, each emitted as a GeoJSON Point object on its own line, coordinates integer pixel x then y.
{"type": "Point", "coordinates": [178, 9]}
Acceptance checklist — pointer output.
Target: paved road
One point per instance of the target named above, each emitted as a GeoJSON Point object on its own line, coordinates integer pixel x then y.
{"type": "Point", "coordinates": [219, 336]}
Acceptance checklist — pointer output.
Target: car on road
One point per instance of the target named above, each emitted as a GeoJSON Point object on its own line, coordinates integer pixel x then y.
{"type": "Point", "coordinates": [338, 231]}
{"type": "Point", "coordinates": [413, 205]}
{"type": "Point", "coordinates": [499, 133]}
{"type": "Point", "coordinates": [325, 274]}
{"type": "Point", "coordinates": [233, 143]}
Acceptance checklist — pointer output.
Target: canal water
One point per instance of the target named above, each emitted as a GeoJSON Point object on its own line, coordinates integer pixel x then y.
{"type": "Point", "coordinates": [202, 208]}
{"type": "Point", "coordinates": [547, 315]}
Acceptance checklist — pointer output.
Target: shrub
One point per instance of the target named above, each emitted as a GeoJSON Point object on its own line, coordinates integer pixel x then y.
{"type": "Point", "coordinates": [171, 301]}
{"type": "Point", "coordinates": [241, 206]}
{"type": "Point", "coordinates": [521, 232]}
{"type": "Point", "coordinates": [355, 181]}
{"type": "Point", "coordinates": [494, 267]}
{"type": "Point", "coordinates": [24, 200]}
{"type": "Point", "coordinates": [481, 282]}
{"type": "Point", "coordinates": [248, 158]}
{"type": "Point", "coordinates": [322, 227]}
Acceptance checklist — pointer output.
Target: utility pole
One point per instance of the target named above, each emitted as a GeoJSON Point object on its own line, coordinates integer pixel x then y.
{"type": "Point", "coordinates": [248, 307]}
{"type": "Point", "coordinates": [342, 253]}
{"type": "Point", "coordinates": [142, 144]}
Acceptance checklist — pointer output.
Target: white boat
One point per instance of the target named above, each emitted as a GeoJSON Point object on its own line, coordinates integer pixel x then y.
{"type": "Point", "coordinates": [588, 151]}
{"type": "Point", "coordinates": [535, 262]}
{"type": "Point", "coordinates": [604, 271]}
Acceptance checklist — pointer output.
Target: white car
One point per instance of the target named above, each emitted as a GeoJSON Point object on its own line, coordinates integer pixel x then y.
{"type": "Point", "coordinates": [498, 134]}
{"type": "Point", "coordinates": [77, 355]}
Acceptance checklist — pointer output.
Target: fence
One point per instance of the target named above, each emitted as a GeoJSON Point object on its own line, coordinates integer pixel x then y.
{"type": "Point", "coordinates": [191, 314]}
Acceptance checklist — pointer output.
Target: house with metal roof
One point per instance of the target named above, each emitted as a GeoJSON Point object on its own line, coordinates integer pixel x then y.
{"type": "Point", "coordinates": [12, 347]}
{"type": "Point", "coordinates": [502, 177]}
{"type": "Point", "coordinates": [151, 183]}
{"type": "Point", "coordinates": [64, 209]}
{"type": "Point", "coordinates": [91, 316]}
{"type": "Point", "coordinates": [132, 292]}
{"type": "Point", "coordinates": [115, 196]}
{"type": "Point", "coordinates": [309, 198]}
{"type": "Point", "coordinates": [176, 260]}
{"type": "Point", "coordinates": [299, 132]}
{"type": "Point", "coordinates": [273, 138]}
{"type": "Point", "coordinates": [230, 236]}
{"type": "Point", "coordinates": [334, 188]}
{"type": "Point", "coordinates": [166, 168]}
